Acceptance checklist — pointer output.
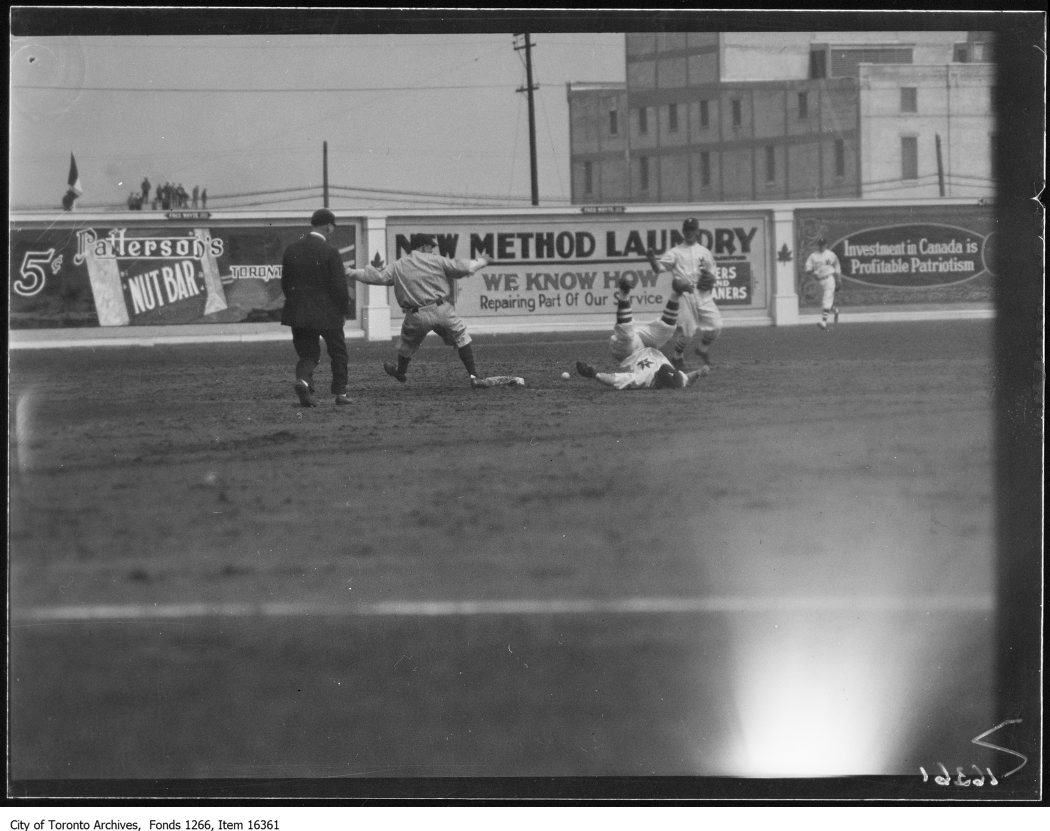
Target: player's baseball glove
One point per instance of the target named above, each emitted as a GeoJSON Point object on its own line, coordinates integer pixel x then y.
{"type": "Point", "coordinates": [707, 280]}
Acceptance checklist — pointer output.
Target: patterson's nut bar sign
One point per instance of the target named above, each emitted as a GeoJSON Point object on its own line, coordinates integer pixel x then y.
{"type": "Point", "coordinates": [141, 279]}
{"type": "Point", "coordinates": [69, 273]}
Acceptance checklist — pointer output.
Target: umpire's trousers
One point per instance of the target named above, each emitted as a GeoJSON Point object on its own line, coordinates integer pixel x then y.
{"type": "Point", "coordinates": [307, 344]}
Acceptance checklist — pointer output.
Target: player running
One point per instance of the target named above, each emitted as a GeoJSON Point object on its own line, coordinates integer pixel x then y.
{"type": "Point", "coordinates": [823, 266]}
{"type": "Point", "coordinates": [688, 260]}
{"type": "Point", "coordinates": [637, 345]}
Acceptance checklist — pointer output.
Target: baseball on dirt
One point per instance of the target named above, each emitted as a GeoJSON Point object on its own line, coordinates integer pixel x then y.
{"type": "Point", "coordinates": [565, 376]}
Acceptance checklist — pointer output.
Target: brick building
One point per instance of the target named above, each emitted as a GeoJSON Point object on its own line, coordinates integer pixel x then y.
{"type": "Point", "coordinates": [729, 117]}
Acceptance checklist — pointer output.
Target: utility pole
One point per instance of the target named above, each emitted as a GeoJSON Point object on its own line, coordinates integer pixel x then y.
{"type": "Point", "coordinates": [940, 164]}
{"type": "Point", "coordinates": [324, 173]}
{"type": "Point", "coordinates": [529, 87]}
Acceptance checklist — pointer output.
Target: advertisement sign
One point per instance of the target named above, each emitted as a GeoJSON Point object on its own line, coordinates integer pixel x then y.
{"type": "Point", "coordinates": [570, 266]}
{"type": "Point", "coordinates": [152, 274]}
{"type": "Point", "coordinates": [907, 255]}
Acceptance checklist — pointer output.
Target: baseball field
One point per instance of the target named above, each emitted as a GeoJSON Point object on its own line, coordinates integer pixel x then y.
{"type": "Point", "coordinates": [786, 570]}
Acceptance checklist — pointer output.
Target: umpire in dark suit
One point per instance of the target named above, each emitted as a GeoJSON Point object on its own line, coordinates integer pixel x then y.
{"type": "Point", "coordinates": [316, 304]}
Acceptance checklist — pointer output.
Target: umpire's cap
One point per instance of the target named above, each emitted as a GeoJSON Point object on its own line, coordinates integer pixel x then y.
{"type": "Point", "coordinates": [667, 377]}
{"type": "Point", "coordinates": [322, 216]}
{"type": "Point", "coordinates": [691, 224]}
{"type": "Point", "coordinates": [420, 240]}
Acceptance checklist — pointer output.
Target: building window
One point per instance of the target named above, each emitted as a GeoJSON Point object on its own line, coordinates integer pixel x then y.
{"type": "Point", "coordinates": [840, 157]}
{"type": "Point", "coordinates": [643, 120]}
{"type": "Point", "coordinates": [705, 169]}
{"type": "Point", "coordinates": [643, 172]}
{"type": "Point", "coordinates": [614, 124]}
{"type": "Point", "coordinates": [588, 178]}
{"type": "Point", "coordinates": [845, 60]}
{"type": "Point", "coordinates": [909, 99]}
{"type": "Point", "coordinates": [737, 118]}
{"type": "Point", "coordinates": [982, 52]}
{"type": "Point", "coordinates": [803, 105]}
{"type": "Point", "coordinates": [771, 163]}
{"type": "Point", "coordinates": [705, 115]}
{"type": "Point", "coordinates": [672, 118]}
{"type": "Point", "coordinates": [961, 53]}
{"type": "Point", "coordinates": [818, 63]}
{"type": "Point", "coordinates": [909, 157]}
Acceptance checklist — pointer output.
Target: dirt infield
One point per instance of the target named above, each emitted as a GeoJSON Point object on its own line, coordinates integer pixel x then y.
{"type": "Point", "coordinates": [255, 589]}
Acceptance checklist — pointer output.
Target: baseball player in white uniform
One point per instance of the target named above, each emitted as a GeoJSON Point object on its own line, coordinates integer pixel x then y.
{"type": "Point", "coordinates": [823, 266]}
{"type": "Point", "coordinates": [637, 345]}
{"type": "Point", "coordinates": [422, 284]}
{"type": "Point", "coordinates": [689, 260]}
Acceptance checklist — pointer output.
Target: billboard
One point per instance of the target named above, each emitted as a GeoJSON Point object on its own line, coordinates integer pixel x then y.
{"type": "Point", "coordinates": [554, 265]}
{"type": "Point", "coordinates": [906, 255]}
{"type": "Point", "coordinates": [70, 273]}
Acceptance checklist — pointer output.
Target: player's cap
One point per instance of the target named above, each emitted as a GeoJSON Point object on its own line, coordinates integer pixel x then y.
{"type": "Point", "coordinates": [323, 216]}
{"type": "Point", "coordinates": [419, 240]}
{"type": "Point", "coordinates": [821, 241]}
{"type": "Point", "coordinates": [667, 377]}
{"type": "Point", "coordinates": [691, 224]}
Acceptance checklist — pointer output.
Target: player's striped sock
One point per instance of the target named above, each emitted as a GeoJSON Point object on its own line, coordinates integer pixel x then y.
{"type": "Point", "coordinates": [623, 310]}
{"type": "Point", "coordinates": [670, 315]}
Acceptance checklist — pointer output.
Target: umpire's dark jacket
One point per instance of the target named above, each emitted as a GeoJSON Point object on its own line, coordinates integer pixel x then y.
{"type": "Point", "coordinates": [315, 289]}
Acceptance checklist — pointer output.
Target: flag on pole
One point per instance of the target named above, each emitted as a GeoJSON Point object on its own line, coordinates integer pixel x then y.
{"type": "Point", "coordinates": [74, 176]}
{"type": "Point", "coordinates": [74, 188]}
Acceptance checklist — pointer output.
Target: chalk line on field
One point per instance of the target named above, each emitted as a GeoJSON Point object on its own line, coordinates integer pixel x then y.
{"type": "Point", "coordinates": [466, 608]}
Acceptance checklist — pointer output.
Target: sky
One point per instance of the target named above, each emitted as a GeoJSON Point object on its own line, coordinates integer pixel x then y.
{"type": "Point", "coordinates": [247, 115]}
{"type": "Point", "coordinates": [418, 107]}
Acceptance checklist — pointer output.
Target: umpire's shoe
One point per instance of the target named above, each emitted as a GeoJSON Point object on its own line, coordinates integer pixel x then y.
{"type": "Point", "coordinates": [391, 370]}
{"type": "Point", "coordinates": [306, 398]}
{"type": "Point", "coordinates": [343, 398]}
{"type": "Point", "coordinates": [586, 370]}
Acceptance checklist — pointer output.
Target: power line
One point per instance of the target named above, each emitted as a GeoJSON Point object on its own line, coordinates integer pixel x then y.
{"type": "Point", "coordinates": [384, 42]}
{"type": "Point", "coordinates": [253, 90]}
{"type": "Point", "coordinates": [430, 193]}
{"type": "Point", "coordinates": [286, 199]}
{"type": "Point", "coordinates": [263, 192]}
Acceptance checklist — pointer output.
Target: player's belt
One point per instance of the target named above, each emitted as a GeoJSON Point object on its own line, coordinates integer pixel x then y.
{"type": "Point", "coordinates": [440, 301]}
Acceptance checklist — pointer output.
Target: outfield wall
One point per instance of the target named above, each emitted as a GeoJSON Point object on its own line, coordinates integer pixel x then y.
{"type": "Point", "coordinates": [144, 276]}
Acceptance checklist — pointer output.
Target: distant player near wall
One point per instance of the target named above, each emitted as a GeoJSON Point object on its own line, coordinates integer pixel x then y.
{"type": "Point", "coordinates": [823, 266]}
